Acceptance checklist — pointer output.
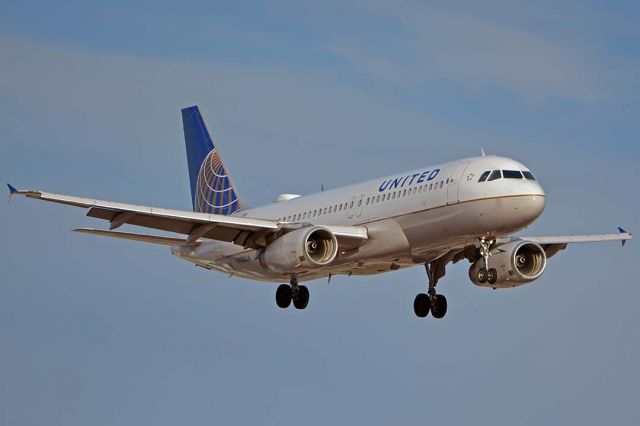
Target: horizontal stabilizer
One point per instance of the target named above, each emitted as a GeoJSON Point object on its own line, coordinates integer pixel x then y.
{"type": "Point", "coordinates": [152, 239]}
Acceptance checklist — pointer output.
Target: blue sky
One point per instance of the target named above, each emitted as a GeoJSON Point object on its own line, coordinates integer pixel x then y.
{"type": "Point", "coordinates": [300, 94]}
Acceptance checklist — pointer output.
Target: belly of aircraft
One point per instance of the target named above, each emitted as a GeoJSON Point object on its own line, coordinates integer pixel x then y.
{"type": "Point", "coordinates": [403, 241]}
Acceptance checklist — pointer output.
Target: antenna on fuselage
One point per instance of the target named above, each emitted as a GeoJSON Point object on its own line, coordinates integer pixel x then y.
{"type": "Point", "coordinates": [482, 152]}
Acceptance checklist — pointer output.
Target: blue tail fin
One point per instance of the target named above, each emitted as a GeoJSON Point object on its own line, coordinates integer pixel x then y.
{"type": "Point", "coordinates": [212, 190]}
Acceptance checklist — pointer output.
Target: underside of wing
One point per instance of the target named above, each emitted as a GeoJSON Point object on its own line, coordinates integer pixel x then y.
{"type": "Point", "coordinates": [152, 239]}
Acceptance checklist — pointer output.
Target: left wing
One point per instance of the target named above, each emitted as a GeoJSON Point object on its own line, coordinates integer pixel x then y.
{"type": "Point", "coordinates": [247, 232]}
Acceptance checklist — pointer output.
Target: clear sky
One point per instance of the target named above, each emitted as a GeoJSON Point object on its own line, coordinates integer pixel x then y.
{"type": "Point", "coordinates": [300, 94]}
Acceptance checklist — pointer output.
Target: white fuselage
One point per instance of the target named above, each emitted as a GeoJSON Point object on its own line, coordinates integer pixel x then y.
{"type": "Point", "coordinates": [412, 218]}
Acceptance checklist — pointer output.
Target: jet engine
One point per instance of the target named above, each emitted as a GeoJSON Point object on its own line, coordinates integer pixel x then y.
{"type": "Point", "coordinates": [307, 248]}
{"type": "Point", "coordinates": [515, 264]}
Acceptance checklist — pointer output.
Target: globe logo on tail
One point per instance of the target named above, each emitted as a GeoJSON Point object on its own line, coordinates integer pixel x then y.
{"type": "Point", "coordinates": [214, 192]}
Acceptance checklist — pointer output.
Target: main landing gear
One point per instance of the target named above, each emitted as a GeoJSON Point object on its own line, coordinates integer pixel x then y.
{"type": "Point", "coordinates": [486, 274]}
{"type": "Point", "coordinates": [298, 294]}
{"type": "Point", "coordinates": [436, 303]}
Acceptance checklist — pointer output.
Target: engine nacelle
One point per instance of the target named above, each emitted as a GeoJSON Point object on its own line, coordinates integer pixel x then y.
{"type": "Point", "coordinates": [516, 263]}
{"type": "Point", "coordinates": [307, 248]}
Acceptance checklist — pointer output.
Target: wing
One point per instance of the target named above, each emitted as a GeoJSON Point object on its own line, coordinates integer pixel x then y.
{"type": "Point", "coordinates": [247, 232]}
{"type": "Point", "coordinates": [552, 244]}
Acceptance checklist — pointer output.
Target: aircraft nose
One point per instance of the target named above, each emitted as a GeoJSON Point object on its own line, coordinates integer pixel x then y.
{"type": "Point", "coordinates": [533, 207]}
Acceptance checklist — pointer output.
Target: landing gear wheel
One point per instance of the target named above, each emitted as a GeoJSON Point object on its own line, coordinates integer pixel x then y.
{"type": "Point", "coordinates": [492, 276]}
{"type": "Point", "coordinates": [301, 297]}
{"type": "Point", "coordinates": [421, 305]}
{"type": "Point", "coordinates": [283, 296]}
{"type": "Point", "coordinates": [439, 306]}
{"type": "Point", "coordinates": [483, 275]}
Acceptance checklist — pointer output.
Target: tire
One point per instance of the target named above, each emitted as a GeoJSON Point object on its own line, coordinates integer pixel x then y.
{"type": "Point", "coordinates": [301, 297]}
{"type": "Point", "coordinates": [482, 275]}
{"type": "Point", "coordinates": [283, 296]}
{"type": "Point", "coordinates": [421, 305]}
{"type": "Point", "coordinates": [492, 276]}
{"type": "Point", "coordinates": [439, 308]}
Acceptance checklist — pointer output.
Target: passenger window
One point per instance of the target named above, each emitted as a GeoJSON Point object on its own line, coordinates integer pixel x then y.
{"type": "Point", "coordinates": [528, 175]}
{"type": "Point", "coordinates": [367, 200]}
{"type": "Point", "coordinates": [511, 174]}
{"type": "Point", "coordinates": [324, 211]}
{"type": "Point", "coordinates": [404, 192]}
{"type": "Point", "coordinates": [495, 175]}
{"type": "Point", "coordinates": [441, 182]}
{"type": "Point", "coordinates": [484, 176]}
{"type": "Point", "coordinates": [351, 205]}
{"type": "Point", "coordinates": [304, 216]}
{"type": "Point", "coordinates": [360, 202]}
{"type": "Point", "coordinates": [378, 199]}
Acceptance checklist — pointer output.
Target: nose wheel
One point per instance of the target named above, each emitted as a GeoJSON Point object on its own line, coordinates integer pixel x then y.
{"type": "Point", "coordinates": [292, 292]}
{"type": "Point", "coordinates": [486, 274]}
{"type": "Point", "coordinates": [432, 302]}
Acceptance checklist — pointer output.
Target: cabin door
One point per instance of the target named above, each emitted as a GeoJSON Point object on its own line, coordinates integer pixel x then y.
{"type": "Point", "coordinates": [453, 182]}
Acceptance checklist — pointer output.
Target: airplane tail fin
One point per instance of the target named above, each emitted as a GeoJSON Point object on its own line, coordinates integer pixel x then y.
{"type": "Point", "coordinates": [212, 190]}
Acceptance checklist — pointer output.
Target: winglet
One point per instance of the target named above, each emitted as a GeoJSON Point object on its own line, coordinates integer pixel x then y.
{"type": "Point", "coordinates": [12, 191]}
{"type": "Point", "coordinates": [622, 231]}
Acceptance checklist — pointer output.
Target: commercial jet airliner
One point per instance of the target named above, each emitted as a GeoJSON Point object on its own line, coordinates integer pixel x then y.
{"type": "Point", "coordinates": [432, 216]}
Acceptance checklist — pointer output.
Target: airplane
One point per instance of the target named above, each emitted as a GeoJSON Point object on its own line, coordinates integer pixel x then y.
{"type": "Point", "coordinates": [431, 217]}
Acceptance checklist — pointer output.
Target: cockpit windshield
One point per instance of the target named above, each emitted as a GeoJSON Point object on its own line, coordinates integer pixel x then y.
{"type": "Point", "coordinates": [484, 176]}
{"type": "Point", "coordinates": [490, 175]}
{"type": "Point", "coordinates": [496, 174]}
{"type": "Point", "coordinates": [512, 174]}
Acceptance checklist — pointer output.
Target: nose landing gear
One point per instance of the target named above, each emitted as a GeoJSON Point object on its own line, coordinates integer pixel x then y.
{"type": "Point", "coordinates": [486, 274]}
{"type": "Point", "coordinates": [298, 294]}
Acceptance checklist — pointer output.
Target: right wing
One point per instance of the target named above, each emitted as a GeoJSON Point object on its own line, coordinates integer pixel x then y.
{"type": "Point", "coordinates": [247, 232]}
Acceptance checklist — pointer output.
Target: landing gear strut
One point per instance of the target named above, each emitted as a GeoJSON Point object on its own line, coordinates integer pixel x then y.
{"type": "Point", "coordinates": [298, 294]}
{"type": "Point", "coordinates": [436, 303]}
{"type": "Point", "coordinates": [486, 274]}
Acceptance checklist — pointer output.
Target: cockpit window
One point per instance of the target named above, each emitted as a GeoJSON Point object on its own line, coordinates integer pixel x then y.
{"type": "Point", "coordinates": [484, 176]}
{"type": "Point", "coordinates": [512, 174]}
{"type": "Point", "coordinates": [495, 175]}
{"type": "Point", "coordinates": [528, 175]}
